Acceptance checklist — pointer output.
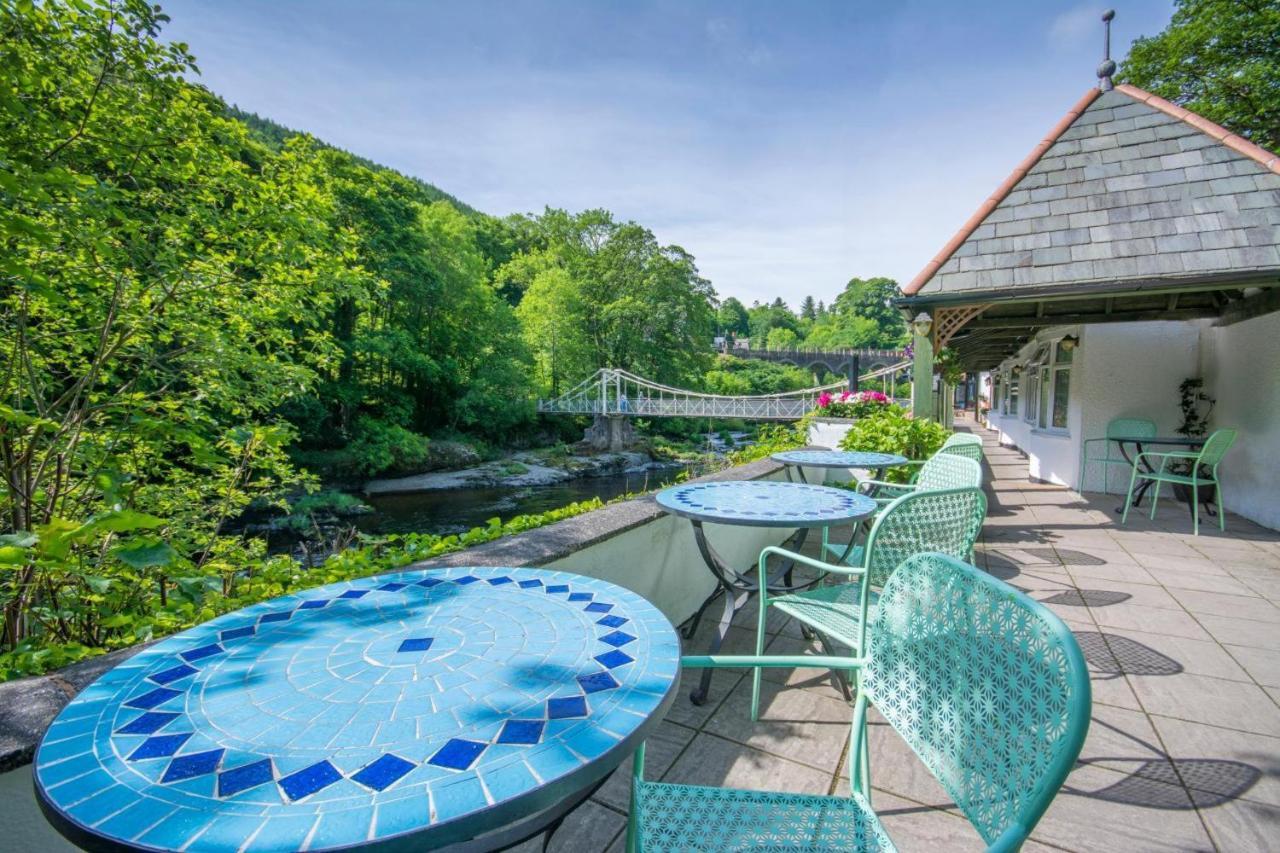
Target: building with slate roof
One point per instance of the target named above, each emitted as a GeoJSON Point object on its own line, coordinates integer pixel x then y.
{"type": "Point", "coordinates": [1138, 245]}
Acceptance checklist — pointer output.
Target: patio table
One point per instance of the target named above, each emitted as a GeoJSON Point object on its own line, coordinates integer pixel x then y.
{"type": "Point", "coordinates": [755, 503]}
{"type": "Point", "coordinates": [1140, 442]}
{"type": "Point", "coordinates": [800, 459]}
{"type": "Point", "coordinates": [464, 708]}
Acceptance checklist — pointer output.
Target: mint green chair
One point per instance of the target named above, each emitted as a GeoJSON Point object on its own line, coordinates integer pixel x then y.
{"type": "Point", "coordinates": [1202, 471]}
{"type": "Point", "coordinates": [943, 470]}
{"type": "Point", "coordinates": [984, 684]}
{"type": "Point", "coordinates": [1117, 428]}
{"type": "Point", "coordinates": [959, 444]}
{"type": "Point", "coordinates": [937, 521]}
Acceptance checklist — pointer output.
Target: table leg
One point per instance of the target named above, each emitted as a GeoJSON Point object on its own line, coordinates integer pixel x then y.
{"type": "Point", "coordinates": [1140, 490]}
{"type": "Point", "coordinates": [732, 604]}
{"type": "Point", "coordinates": [799, 474]}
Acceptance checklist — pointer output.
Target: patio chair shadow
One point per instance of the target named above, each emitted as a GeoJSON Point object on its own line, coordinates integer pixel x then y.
{"type": "Point", "coordinates": [1158, 783]}
{"type": "Point", "coordinates": [1087, 597]}
{"type": "Point", "coordinates": [1113, 655]}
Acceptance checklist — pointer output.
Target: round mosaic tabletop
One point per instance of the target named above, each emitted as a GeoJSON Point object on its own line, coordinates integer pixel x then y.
{"type": "Point", "coordinates": [766, 503]}
{"type": "Point", "coordinates": [406, 710]}
{"type": "Point", "coordinates": [838, 459]}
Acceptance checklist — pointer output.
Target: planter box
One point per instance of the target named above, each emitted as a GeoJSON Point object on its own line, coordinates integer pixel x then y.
{"type": "Point", "coordinates": [828, 432]}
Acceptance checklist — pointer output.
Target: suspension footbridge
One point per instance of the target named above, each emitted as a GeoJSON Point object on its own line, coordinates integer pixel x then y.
{"type": "Point", "coordinates": [619, 393]}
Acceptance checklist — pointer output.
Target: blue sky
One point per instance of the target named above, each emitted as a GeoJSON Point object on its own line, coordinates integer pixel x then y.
{"type": "Point", "coordinates": [787, 145]}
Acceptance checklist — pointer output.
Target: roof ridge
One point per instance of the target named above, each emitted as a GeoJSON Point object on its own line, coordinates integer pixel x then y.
{"type": "Point", "coordinates": [1001, 192]}
{"type": "Point", "coordinates": [1234, 141]}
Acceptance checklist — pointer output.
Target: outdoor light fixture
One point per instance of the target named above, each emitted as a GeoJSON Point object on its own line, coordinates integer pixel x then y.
{"type": "Point", "coordinates": [922, 324]}
{"type": "Point", "coordinates": [1069, 343]}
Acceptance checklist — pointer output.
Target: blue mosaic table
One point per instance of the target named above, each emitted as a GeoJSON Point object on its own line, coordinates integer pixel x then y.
{"type": "Point", "coordinates": [413, 710]}
{"type": "Point", "coordinates": [800, 459]}
{"type": "Point", "coordinates": [755, 503]}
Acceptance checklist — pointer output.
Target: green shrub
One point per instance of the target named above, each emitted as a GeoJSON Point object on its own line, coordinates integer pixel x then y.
{"type": "Point", "coordinates": [891, 431]}
{"type": "Point", "coordinates": [771, 439]}
{"type": "Point", "coordinates": [380, 447]}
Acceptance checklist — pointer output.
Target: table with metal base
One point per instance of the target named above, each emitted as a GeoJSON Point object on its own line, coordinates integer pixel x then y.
{"type": "Point", "coordinates": [840, 459]}
{"type": "Point", "coordinates": [755, 503]}
{"type": "Point", "coordinates": [438, 709]}
{"type": "Point", "coordinates": [1139, 443]}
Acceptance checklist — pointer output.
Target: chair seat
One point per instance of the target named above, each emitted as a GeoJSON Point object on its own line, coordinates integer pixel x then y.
{"type": "Point", "coordinates": [855, 557]}
{"type": "Point", "coordinates": [832, 610]}
{"type": "Point", "coordinates": [1175, 478]}
{"type": "Point", "coordinates": [688, 817]}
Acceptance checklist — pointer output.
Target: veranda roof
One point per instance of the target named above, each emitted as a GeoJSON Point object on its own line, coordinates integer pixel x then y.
{"type": "Point", "coordinates": [1131, 208]}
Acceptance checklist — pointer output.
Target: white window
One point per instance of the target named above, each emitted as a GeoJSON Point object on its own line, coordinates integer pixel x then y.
{"type": "Point", "coordinates": [1054, 387]}
{"type": "Point", "coordinates": [1033, 374]}
{"type": "Point", "coordinates": [1011, 394]}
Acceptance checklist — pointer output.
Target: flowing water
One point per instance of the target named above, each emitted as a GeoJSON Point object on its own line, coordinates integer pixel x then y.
{"type": "Point", "coordinates": [459, 510]}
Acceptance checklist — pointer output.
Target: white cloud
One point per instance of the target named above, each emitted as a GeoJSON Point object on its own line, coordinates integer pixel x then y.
{"type": "Point", "coordinates": [1077, 25]}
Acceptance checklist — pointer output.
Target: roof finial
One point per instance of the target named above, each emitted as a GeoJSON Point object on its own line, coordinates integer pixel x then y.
{"type": "Point", "coordinates": [1107, 67]}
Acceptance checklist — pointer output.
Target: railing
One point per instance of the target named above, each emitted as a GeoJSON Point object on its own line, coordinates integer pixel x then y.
{"type": "Point", "coordinates": [621, 393]}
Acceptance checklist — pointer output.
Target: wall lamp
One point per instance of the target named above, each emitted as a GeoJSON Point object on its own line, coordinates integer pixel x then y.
{"type": "Point", "coordinates": [922, 324]}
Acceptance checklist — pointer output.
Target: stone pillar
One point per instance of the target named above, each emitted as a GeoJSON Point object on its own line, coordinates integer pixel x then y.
{"type": "Point", "coordinates": [853, 367]}
{"type": "Point", "coordinates": [610, 432]}
{"type": "Point", "coordinates": [922, 377]}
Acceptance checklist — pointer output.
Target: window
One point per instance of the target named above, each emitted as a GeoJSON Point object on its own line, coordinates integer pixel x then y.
{"type": "Point", "coordinates": [1055, 388]}
{"type": "Point", "coordinates": [1011, 394]}
{"type": "Point", "coordinates": [1035, 376]}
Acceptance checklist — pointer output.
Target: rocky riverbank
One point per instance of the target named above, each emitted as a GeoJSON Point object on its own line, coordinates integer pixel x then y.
{"type": "Point", "coordinates": [519, 470]}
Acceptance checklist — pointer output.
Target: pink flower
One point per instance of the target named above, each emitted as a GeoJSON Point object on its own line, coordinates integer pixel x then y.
{"type": "Point", "coordinates": [845, 396]}
{"type": "Point", "coordinates": [824, 400]}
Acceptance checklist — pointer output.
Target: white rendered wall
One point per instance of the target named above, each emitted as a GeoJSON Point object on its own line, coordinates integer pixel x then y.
{"type": "Point", "coordinates": [1241, 369]}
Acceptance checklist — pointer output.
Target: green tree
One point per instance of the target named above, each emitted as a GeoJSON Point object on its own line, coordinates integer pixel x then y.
{"type": "Point", "coordinates": [782, 338]}
{"type": "Point", "coordinates": [866, 300]}
{"type": "Point", "coordinates": [808, 310]}
{"type": "Point", "coordinates": [732, 319]}
{"type": "Point", "coordinates": [765, 318]}
{"type": "Point", "coordinates": [1220, 59]}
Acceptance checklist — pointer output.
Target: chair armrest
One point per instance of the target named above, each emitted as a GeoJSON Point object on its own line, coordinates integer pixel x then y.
{"type": "Point", "coordinates": [1172, 454]}
{"type": "Point", "coordinates": [771, 661]}
{"type": "Point", "coordinates": [886, 485]}
{"type": "Point", "coordinates": [774, 550]}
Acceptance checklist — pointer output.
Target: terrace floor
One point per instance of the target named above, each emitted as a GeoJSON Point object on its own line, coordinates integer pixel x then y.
{"type": "Point", "coordinates": [1182, 636]}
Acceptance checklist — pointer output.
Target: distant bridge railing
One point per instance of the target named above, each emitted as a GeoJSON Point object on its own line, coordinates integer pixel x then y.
{"type": "Point", "coordinates": [620, 393]}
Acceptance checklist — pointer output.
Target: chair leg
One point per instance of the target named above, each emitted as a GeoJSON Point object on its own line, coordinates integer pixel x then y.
{"type": "Point", "coordinates": [762, 618]}
{"type": "Point", "coordinates": [1128, 501]}
{"type": "Point", "coordinates": [1195, 504]}
{"type": "Point", "coordinates": [1222, 511]}
{"type": "Point", "coordinates": [1155, 498]}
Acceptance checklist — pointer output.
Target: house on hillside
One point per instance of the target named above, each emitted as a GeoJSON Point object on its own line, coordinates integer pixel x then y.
{"type": "Point", "coordinates": [1137, 246]}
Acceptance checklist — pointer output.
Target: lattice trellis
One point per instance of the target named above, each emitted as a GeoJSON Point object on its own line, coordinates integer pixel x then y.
{"type": "Point", "coordinates": [948, 321]}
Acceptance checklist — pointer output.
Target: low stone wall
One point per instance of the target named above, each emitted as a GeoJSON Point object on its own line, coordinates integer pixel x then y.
{"type": "Point", "coordinates": [635, 544]}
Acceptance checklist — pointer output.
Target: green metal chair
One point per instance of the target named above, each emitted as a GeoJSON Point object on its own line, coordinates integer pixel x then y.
{"type": "Point", "coordinates": [943, 470]}
{"type": "Point", "coordinates": [1202, 471]}
{"type": "Point", "coordinates": [945, 521]}
{"type": "Point", "coordinates": [1117, 428]}
{"type": "Point", "coordinates": [984, 684]}
{"type": "Point", "coordinates": [959, 444]}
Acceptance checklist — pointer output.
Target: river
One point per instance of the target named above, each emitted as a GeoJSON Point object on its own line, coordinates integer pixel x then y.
{"type": "Point", "coordinates": [459, 510]}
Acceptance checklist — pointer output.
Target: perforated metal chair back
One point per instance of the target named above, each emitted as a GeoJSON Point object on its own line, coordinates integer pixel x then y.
{"type": "Point", "coordinates": [967, 449]}
{"type": "Point", "coordinates": [946, 521]}
{"type": "Point", "coordinates": [947, 471]}
{"type": "Point", "coordinates": [1217, 446]}
{"type": "Point", "coordinates": [1131, 428]}
{"type": "Point", "coordinates": [985, 685]}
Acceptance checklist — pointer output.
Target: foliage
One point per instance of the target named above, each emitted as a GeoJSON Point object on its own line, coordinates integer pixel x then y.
{"type": "Point", "coordinates": [771, 439]}
{"type": "Point", "coordinates": [732, 319]}
{"type": "Point", "coordinates": [782, 338]}
{"type": "Point", "coordinates": [892, 431]}
{"type": "Point", "coordinates": [1196, 406]}
{"type": "Point", "coordinates": [378, 447]}
{"type": "Point", "coordinates": [1220, 59]}
{"type": "Point", "coordinates": [947, 365]}
{"type": "Point", "coordinates": [763, 319]}
{"type": "Point", "coordinates": [126, 604]}
{"type": "Point", "coordinates": [860, 317]}
{"type": "Point", "coordinates": [861, 404]}
{"type": "Point", "coordinates": [733, 376]}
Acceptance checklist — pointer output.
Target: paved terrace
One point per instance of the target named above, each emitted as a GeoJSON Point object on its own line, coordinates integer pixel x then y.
{"type": "Point", "coordinates": [1182, 635]}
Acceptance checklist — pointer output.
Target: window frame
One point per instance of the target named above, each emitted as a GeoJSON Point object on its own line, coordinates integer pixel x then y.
{"type": "Point", "coordinates": [1048, 376]}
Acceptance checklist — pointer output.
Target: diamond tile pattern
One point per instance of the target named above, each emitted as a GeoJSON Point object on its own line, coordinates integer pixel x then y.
{"type": "Point", "coordinates": [398, 703]}
{"type": "Point", "coordinates": [765, 503]}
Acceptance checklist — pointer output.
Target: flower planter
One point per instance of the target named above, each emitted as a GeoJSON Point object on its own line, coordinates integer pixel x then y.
{"type": "Point", "coordinates": [827, 432]}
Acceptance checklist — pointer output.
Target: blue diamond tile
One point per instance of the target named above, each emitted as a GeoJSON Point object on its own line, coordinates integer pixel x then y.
{"type": "Point", "coordinates": [499, 581]}
{"type": "Point", "coordinates": [598, 607]}
{"type": "Point", "coordinates": [415, 644]}
{"type": "Point", "coordinates": [193, 765]}
{"type": "Point", "coordinates": [568, 706]}
{"type": "Point", "coordinates": [308, 780]}
{"type": "Point", "coordinates": [463, 581]}
{"type": "Point", "coordinates": [611, 621]}
{"type": "Point", "coordinates": [282, 616]}
{"type": "Point", "coordinates": [392, 587]}
{"type": "Point", "coordinates": [521, 731]}
{"type": "Point", "coordinates": [148, 723]}
{"type": "Point", "coordinates": [173, 673]}
{"type": "Point", "coordinates": [457, 754]}
{"type": "Point", "coordinates": [159, 746]}
{"type": "Point", "coordinates": [430, 582]}
{"type": "Point", "coordinates": [237, 633]}
{"type": "Point", "coordinates": [597, 681]}
{"type": "Point", "coordinates": [617, 638]}
{"type": "Point", "coordinates": [557, 587]}
{"type": "Point", "coordinates": [580, 596]}
{"type": "Point", "coordinates": [152, 698]}
{"type": "Point", "coordinates": [244, 777]}
{"type": "Point", "coordinates": [382, 773]}
{"type": "Point", "coordinates": [314, 604]}
{"type": "Point", "coordinates": [614, 658]}
{"type": "Point", "coordinates": [354, 593]}
{"type": "Point", "coordinates": [530, 584]}
{"type": "Point", "coordinates": [201, 653]}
